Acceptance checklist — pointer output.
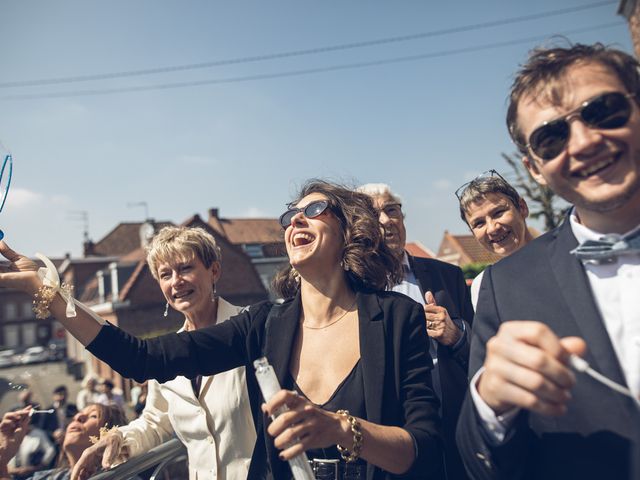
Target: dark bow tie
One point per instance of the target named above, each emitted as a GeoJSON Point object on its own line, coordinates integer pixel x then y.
{"type": "Point", "coordinates": [608, 248]}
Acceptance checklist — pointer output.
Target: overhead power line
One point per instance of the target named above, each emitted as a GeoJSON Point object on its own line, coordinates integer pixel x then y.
{"type": "Point", "coordinates": [301, 72]}
{"type": "Point", "coordinates": [310, 51]}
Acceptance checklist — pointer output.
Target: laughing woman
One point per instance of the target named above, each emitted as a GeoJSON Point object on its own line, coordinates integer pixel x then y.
{"type": "Point", "coordinates": [350, 355]}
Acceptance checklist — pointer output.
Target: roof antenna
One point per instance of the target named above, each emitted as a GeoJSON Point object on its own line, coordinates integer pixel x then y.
{"type": "Point", "coordinates": [140, 204]}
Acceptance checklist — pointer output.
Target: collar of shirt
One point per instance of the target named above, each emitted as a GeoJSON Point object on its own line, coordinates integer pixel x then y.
{"type": "Point", "coordinates": [584, 233]}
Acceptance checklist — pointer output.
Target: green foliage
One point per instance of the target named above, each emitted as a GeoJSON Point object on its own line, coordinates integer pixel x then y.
{"type": "Point", "coordinates": [471, 270]}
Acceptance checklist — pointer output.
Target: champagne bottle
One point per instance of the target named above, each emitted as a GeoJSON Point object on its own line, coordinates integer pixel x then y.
{"type": "Point", "coordinates": [269, 386]}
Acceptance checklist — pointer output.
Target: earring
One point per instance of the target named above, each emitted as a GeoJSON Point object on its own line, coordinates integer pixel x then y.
{"type": "Point", "coordinates": [213, 294]}
{"type": "Point", "coordinates": [344, 265]}
{"type": "Point", "coordinates": [166, 310]}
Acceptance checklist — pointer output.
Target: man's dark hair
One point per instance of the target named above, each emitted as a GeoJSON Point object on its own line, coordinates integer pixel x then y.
{"type": "Point", "coordinates": [547, 66]}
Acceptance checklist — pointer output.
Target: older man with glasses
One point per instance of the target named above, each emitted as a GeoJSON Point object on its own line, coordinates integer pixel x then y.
{"type": "Point", "coordinates": [555, 354]}
{"type": "Point", "coordinates": [441, 289]}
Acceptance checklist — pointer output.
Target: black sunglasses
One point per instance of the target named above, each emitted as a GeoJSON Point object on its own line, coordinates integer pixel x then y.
{"type": "Point", "coordinates": [606, 111]}
{"type": "Point", "coordinates": [310, 211]}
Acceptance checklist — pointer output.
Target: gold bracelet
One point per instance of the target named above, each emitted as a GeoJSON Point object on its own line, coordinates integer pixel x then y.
{"type": "Point", "coordinates": [41, 301]}
{"type": "Point", "coordinates": [354, 454]}
{"type": "Point", "coordinates": [44, 296]}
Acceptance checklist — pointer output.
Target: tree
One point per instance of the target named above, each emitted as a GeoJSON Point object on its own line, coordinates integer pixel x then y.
{"type": "Point", "coordinates": [472, 270]}
{"type": "Point", "coordinates": [541, 200]}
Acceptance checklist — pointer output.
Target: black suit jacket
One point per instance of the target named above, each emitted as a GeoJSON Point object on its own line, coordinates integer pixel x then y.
{"type": "Point", "coordinates": [450, 290]}
{"type": "Point", "coordinates": [49, 421]}
{"type": "Point", "coordinates": [543, 282]}
{"type": "Point", "coordinates": [394, 362]}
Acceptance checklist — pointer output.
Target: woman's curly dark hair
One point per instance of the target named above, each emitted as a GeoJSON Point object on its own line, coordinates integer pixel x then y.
{"type": "Point", "coordinates": [368, 263]}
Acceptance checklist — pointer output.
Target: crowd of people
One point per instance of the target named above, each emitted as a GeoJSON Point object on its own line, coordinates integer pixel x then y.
{"type": "Point", "coordinates": [390, 366]}
{"type": "Point", "coordinates": [43, 426]}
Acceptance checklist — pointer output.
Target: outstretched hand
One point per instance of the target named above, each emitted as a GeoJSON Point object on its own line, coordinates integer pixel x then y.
{"type": "Point", "coordinates": [21, 273]}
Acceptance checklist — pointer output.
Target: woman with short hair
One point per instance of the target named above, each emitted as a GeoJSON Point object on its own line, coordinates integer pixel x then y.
{"type": "Point", "coordinates": [211, 415]}
{"type": "Point", "coordinates": [496, 214]}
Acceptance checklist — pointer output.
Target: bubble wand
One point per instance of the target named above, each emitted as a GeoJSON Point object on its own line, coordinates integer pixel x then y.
{"type": "Point", "coordinates": [7, 169]}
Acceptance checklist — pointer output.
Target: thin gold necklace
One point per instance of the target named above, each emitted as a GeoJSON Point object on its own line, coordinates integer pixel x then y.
{"type": "Point", "coordinates": [334, 321]}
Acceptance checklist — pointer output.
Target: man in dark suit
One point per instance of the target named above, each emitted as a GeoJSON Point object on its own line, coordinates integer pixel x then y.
{"type": "Point", "coordinates": [54, 423]}
{"type": "Point", "coordinates": [441, 289]}
{"type": "Point", "coordinates": [575, 117]}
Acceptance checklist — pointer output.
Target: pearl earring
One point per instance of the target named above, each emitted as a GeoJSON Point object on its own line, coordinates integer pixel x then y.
{"type": "Point", "coordinates": [166, 310]}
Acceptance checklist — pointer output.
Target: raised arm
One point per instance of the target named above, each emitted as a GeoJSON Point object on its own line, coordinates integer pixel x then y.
{"type": "Point", "coordinates": [22, 274]}
{"type": "Point", "coordinates": [13, 428]}
{"type": "Point", "coordinates": [206, 351]}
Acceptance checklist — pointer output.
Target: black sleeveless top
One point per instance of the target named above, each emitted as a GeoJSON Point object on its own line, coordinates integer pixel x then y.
{"type": "Point", "coordinates": [349, 395]}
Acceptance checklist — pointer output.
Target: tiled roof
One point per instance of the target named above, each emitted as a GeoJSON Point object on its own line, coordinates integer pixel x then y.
{"type": "Point", "coordinates": [124, 238]}
{"type": "Point", "coordinates": [416, 249]}
{"type": "Point", "coordinates": [475, 252]}
{"type": "Point", "coordinates": [250, 230]}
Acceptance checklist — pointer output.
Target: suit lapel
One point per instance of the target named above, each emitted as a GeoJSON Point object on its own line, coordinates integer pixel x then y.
{"type": "Point", "coordinates": [576, 290]}
{"type": "Point", "coordinates": [372, 353]}
{"type": "Point", "coordinates": [422, 275]}
{"type": "Point", "coordinates": [280, 332]}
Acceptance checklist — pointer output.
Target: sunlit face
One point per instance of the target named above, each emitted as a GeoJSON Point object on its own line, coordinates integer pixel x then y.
{"type": "Point", "coordinates": [498, 224]}
{"type": "Point", "coordinates": [85, 424]}
{"type": "Point", "coordinates": [392, 220]}
{"type": "Point", "coordinates": [316, 242]}
{"type": "Point", "coordinates": [599, 171]}
{"type": "Point", "coordinates": [187, 284]}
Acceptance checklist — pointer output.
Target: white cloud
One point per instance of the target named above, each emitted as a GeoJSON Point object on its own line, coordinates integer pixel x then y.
{"type": "Point", "coordinates": [61, 200]}
{"type": "Point", "coordinates": [442, 184]}
{"type": "Point", "coordinates": [22, 198]}
{"type": "Point", "coordinates": [253, 212]}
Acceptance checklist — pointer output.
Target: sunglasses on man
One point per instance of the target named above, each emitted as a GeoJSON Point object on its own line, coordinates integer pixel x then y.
{"type": "Point", "coordinates": [606, 111]}
{"type": "Point", "coordinates": [311, 210]}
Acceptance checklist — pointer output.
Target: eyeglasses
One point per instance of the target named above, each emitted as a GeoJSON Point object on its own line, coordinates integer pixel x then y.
{"type": "Point", "coordinates": [391, 210]}
{"type": "Point", "coordinates": [310, 211]}
{"type": "Point", "coordinates": [488, 174]}
{"type": "Point", "coordinates": [606, 111]}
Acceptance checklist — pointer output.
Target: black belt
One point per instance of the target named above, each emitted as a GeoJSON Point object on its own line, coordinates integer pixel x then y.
{"type": "Point", "coordinates": [334, 469]}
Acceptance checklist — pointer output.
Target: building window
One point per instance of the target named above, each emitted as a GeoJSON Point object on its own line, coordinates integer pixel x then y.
{"type": "Point", "coordinates": [11, 311]}
{"type": "Point", "coordinates": [253, 250]}
{"type": "Point", "coordinates": [10, 336]}
{"type": "Point", "coordinates": [29, 334]}
{"type": "Point", "coordinates": [27, 311]}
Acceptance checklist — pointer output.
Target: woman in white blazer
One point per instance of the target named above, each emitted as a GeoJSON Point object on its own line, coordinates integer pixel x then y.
{"type": "Point", "coordinates": [210, 415]}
